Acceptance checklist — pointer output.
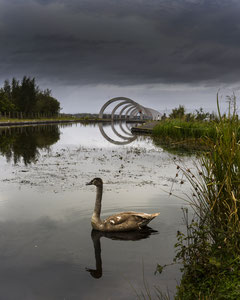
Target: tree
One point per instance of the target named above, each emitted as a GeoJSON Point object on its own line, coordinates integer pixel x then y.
{"type": "Point", "coordinates": [189, 117]}
{"type": "Point", "coordinates": [26, 97]}
{"type": "Point", "coordinates": [201, 115]}
{"type": "Point", "coordinates": [5, 104]}
{"type": "Point", "coordinates": [46, 103]}
{"type": "Point", "coordinates": [164, 117]}
{"type": "Point", "coordinates": [15, 92]}
{"type": "Point", "coordinates": [177, 113]}
{"type": "Point", "coordinates": [7, 89]}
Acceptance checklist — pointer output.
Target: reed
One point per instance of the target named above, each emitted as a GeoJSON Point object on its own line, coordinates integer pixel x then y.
{"type": "Point", "coordinates": [210, 251]}
{"type": "Point", "coordinates": [179, 129]}
{"type": "Point", "coordinates": [217, 188]}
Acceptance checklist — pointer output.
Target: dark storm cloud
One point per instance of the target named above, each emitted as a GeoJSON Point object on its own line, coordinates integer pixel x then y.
{"type": "Point", "coordinates": [121, 42]}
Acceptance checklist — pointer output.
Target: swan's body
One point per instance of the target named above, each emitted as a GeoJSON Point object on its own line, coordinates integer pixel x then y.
{"type": "Point", "coordinates": [125, 221]}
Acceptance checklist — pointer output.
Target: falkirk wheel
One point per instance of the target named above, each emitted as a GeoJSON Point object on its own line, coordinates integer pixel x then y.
{"type": "Point", "coordinates": [129, 109]}
{"type": "Point", "coordinates": [124, 109]}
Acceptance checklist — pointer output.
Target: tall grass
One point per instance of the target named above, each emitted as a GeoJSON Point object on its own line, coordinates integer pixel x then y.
{"type": "Point", "coordinates": [179, 129]}
{"type": "Point", "coordinates": [217, 188]}
{"type": "Point", "coordinates": [210, 252]}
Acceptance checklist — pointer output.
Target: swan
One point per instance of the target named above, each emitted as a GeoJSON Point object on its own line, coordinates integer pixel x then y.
{"type": "Point", "coordinates": [125, 221]}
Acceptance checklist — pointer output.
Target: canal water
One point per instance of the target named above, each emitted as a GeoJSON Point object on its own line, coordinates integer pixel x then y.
{"type": "Point", "coordinates": [47, 248]}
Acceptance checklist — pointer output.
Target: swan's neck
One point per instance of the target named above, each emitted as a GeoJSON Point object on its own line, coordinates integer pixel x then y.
{"type": "Point", "coordinates": [97, 209]}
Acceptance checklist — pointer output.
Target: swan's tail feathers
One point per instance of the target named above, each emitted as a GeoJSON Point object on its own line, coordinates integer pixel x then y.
{"type": "Point", "coordinates": [155, 215]}
{"type": "Point", "coordinates": [148, 218]}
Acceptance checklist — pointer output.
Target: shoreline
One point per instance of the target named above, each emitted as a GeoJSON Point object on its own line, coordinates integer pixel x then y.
{"type": "Point", "coordinates": [45, 122]}
{"type": "Point", "coordinates": [146, 128]}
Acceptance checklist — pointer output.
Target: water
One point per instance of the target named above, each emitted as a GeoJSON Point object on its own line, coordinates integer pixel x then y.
{"type": "Point", "coordinates": [47, 247]}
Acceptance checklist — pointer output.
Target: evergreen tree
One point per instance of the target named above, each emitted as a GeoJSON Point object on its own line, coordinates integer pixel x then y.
{"type": "Point", "coordinates": [26, 97]}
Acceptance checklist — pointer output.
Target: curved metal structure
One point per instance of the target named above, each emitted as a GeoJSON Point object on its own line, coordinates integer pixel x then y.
{"type": "Point", "coordinates": [136, 109]}
{"type": "Point", "coordinates": [129, 110]}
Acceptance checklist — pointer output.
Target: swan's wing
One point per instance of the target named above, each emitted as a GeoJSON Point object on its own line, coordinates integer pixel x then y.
{"type": "Point", "coordinates": [118, 218]}
{"type": "Point", "coordinates": [146, 216]}
{"type": "Point", "coordinates": [127, 216]}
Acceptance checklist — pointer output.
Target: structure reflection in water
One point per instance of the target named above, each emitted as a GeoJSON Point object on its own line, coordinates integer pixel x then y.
{"type": "Point", "coordinates": [24, 142]}
{"type": "Point", "coordinates": [122, 138]}
{"type": "Point", "coordinates": [120, 236]}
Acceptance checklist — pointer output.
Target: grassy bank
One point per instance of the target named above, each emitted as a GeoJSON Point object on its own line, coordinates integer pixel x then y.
{"type": "Point", "coordinates": [177, 129]}
{"type": "Point", "coordinates": [56, 118]}
{"type": "Point", "coordinates": [180, 136]}
{"type": "Point", "coordinates": [85, 120]}
{"type": "Point", "coordinates": [193, 135]}
{"type": "Point", "coordinates": [210, 251]}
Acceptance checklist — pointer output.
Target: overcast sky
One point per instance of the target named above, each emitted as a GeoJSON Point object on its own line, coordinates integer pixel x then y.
{"type": "Point", "coordinates": [160, 53]}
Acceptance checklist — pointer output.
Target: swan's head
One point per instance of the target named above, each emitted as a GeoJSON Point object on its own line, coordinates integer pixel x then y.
{"type": "Point", "coordinates": [95, 181]}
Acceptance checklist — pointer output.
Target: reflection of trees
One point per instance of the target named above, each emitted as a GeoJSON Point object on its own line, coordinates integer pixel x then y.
{"type": "Point", "coordinates": [24, 143]}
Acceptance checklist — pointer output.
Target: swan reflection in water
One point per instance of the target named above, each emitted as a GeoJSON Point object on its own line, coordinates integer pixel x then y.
{"type": "Point", "coordinates": [120, 236]}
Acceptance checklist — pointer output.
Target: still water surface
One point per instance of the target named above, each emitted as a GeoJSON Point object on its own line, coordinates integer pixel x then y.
{"type": "Point", "coordinates": [47, 248]}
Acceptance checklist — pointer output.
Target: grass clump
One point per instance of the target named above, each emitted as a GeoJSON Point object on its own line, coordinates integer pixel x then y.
{"type": "Point", "coordinates": [182, 136]}
{"type": "Point", "coordinates": [210, 250]}
{"type": "Point", "coordinates": [210, 268]}
{"type": "Point", "coordinates": [179, 129]}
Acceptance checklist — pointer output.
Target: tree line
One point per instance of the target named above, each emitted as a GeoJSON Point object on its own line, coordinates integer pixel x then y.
{"type": "Point", "coordinates": [26, 97]}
